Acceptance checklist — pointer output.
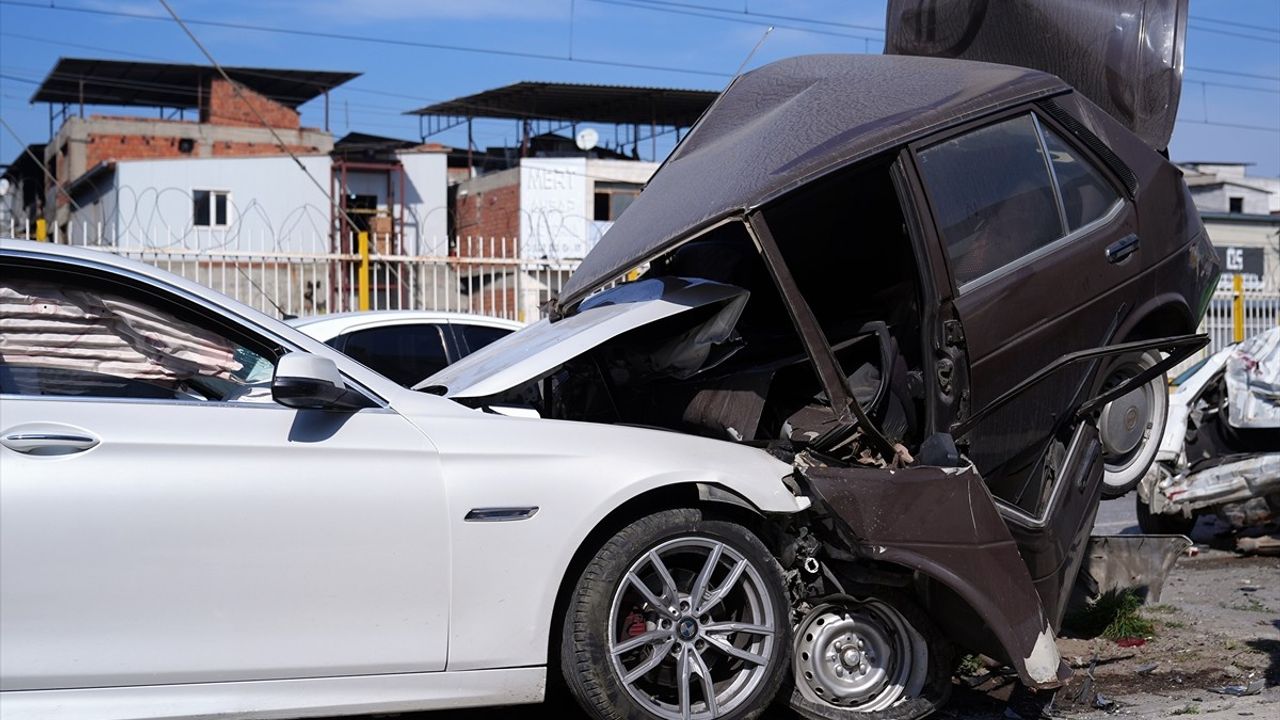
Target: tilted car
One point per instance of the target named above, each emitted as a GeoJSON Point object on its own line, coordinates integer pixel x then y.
{"type": "Point", "coordinates": [946, 291]}
{"type": "Point", "coordinates": [912, 305]}
{"type": "Point", "coordinates": [405, 345]}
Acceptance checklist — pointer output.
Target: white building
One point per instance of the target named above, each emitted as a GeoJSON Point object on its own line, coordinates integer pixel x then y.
{"type": "Point", "coordinates": [253, 203]}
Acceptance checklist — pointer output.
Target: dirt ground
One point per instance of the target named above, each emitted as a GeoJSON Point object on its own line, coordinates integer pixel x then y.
{"type": "Point", "coordinates": [1218, 625]}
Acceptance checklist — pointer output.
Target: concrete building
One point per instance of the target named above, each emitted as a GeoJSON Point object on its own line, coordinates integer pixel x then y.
{"type": "Point", "coordinates": [1241, 213]}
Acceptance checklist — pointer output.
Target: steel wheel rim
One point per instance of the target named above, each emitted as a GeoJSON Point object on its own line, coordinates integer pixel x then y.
{"type": "Point", "coordinates": [891, 657]}
{"type": "Point", "coordinates": [720, 648]}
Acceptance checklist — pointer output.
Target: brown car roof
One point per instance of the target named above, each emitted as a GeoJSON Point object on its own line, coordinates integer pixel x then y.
{"type": "Point", "coordinates": [789, 122]}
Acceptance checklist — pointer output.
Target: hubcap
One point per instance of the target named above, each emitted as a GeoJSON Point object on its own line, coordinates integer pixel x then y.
{"type": "Point", "coordinates": [693, 629]}
{"type": "Point", "coordinates": [861, 656]}
{"type": "Point", "coordinates": [1124, 421]}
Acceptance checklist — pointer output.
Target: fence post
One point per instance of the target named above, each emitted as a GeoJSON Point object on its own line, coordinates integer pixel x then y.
{"type": "Point", "coordinates": [42, 230]}
{"type": "Point", "coordinates": [363, 279]}
{"type": "Point", "coordinates": [1237, 308]}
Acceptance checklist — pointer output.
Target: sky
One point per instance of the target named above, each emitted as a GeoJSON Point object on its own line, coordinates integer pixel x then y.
{"type": "Point", "coordinates": [416, 52]}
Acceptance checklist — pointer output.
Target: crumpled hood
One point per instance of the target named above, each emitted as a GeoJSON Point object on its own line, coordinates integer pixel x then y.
{"type": "Point", "coordinates": [542, 347]}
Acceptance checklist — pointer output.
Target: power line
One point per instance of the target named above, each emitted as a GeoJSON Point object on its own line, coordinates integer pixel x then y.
{"type": "Point", "coordinates": [1235, 73]}
{"type": "Point", "coordinates": [1239, 126]}
{"type": "Point", "coordinates": [1233, 33]}
{"type": "Point", "coordinates": [373, 40]}
{"type": "Point", "coordinates": [1202, 18]}
{"type": "Point", "coordinates": [725, 18]}
{"type": "Point", "coordinates": [749, 12]}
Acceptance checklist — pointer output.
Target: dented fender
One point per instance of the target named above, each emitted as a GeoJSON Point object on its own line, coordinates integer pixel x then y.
{"type": "Point", "coordinates": [967, 548]}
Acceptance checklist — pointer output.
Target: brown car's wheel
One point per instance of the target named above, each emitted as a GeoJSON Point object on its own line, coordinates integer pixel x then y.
{"type": "Point", "coordinates": [878, 658]}
{"type": "Point", "coordinates": [1130, 427]}
{"type": "Point", "coordinates": [680, 617]}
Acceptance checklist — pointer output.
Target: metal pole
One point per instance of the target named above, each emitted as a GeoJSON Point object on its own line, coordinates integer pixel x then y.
{"type": "Point", "coordinates": [363, 279]}
{"type": "Point", "coordinates": [1237, 307]}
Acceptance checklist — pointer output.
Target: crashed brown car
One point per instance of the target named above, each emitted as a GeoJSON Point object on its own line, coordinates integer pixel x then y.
{"type": "Point", "coordinates": [945, 290]}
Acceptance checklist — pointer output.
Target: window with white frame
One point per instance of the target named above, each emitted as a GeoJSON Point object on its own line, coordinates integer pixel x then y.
{"type": "Point", "coordinates": [210, 208]}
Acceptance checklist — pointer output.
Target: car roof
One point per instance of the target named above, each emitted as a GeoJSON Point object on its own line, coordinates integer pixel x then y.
{"type": "Point", "coordinates": [787, 123]}
{"type": "Point", "coordinates": [326, 327]}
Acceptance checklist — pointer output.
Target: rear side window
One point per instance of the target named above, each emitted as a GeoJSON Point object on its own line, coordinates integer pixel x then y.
{"type": "Point", "coordinates": [995, 193]}
{"type": "Point", "coordinates": [478, 336]}
{"type": "Point", "coordinates": [1086, 195]}
{"type": "Point", "coordinates": [405, 353]}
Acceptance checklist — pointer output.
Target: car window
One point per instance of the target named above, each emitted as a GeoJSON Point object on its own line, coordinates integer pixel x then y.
{"type": "Point", "coordinates": [1086, 195]}
{"type": "Point", "coordinates": [73, 338]}
{"type": "Point", "coordinates": [992, 196]}
{"type": "Point", "coordinates": [478, 336]}
{"type": "Point", "coordinates": [405, 353]}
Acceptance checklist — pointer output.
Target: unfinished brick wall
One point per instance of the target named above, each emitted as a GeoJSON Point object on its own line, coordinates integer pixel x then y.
{"type": "Point", "coordinates": [492, 213]}
{"type": "Point", "coordinates": [223, 107]}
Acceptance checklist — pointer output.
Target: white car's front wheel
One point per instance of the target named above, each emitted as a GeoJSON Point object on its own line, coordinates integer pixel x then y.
{"type": "Point", "coordinates": [678, 616]}
{"type": "Point", "coordinates": [1130, 427]}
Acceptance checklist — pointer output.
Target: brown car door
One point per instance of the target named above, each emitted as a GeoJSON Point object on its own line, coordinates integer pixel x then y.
{"type": "Point", "coordinates": [1040, 244]}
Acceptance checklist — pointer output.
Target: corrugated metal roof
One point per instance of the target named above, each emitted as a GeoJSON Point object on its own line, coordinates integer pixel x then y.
{"type": "Point", "coordinates": [573, 102]}
{"type": "Point", "coordinates": [146, 84]}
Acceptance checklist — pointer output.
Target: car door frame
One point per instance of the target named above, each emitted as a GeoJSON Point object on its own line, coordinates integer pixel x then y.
{"type": "Point", "coordinates": [951, 336]}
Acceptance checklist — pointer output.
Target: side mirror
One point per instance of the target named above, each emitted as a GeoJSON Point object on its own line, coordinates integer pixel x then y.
{"type": "Point", "coordinates": [311, 382]}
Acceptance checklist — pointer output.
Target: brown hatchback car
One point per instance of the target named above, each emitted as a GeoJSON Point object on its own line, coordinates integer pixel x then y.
{"type": "Point", "coordinates": [945, 284]}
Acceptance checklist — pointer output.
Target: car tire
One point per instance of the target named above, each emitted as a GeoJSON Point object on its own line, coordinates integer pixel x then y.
{"type": "Point", "coordinates": [1131, 427]}
{"type": "Point", "coordinates": [1160, 523]}
{"type": "Point", "coordinates": [923, 673]}
{"type": "Point", "coordinates": [625, 656]}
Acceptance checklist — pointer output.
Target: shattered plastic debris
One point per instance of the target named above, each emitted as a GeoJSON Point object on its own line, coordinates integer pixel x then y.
{"type": "Point", "coordinates": [1131, 642]}
{"type": "Point", "coordinates": [1102, 702]}
{"type": "Point", "coordinates": [1253, 687]}
{"type": "Point", "coordinates": [1147, 669]}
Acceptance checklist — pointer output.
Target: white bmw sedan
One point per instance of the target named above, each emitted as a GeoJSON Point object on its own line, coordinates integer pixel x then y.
{"type": "Point", "coordinates": [205, 512]}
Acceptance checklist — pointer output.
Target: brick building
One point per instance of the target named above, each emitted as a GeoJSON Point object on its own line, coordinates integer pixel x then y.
{"type": "Point", "coordinates": [226, 120]}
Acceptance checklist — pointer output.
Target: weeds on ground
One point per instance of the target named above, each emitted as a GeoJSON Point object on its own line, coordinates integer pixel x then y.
{"type": "Point", "coordinates": [1114, 615]}
{"type": "Point", "coordinates": [969, 665]}
{"type": "Point", "coordinates": [1161, 609]}
{"type": "Point", "coordinates": [1187, 709]}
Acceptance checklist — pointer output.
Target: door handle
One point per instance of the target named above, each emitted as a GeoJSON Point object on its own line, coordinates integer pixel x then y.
{"type": "Point", "coordinates": [1122, 248]}
{"type": "Point", "coordinates": [48, 439]}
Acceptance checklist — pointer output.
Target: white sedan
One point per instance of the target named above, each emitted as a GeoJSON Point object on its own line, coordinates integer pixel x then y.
{"type": "Point", "coordinates": [205, 512]}
{"type": "Point", "coordinates": [406, 345]}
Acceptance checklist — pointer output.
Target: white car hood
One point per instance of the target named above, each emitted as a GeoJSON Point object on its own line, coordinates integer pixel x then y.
{"type": "Point", "coordinates": [542, 347]}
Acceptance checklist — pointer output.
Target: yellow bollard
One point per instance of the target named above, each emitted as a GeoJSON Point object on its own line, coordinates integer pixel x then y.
{"type": "Point", "coordinates": [364, 271]}
{"type": "Point", "coordinates": [42, 230]}
{"type": "Point", "coordinates": [1237, 307]}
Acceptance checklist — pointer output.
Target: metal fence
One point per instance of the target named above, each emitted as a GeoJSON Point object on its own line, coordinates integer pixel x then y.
{"type": "Point", "coordinates": [484, 276]}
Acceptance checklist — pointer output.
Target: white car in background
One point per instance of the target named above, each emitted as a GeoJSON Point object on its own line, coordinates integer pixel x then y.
{"type": "Point", "coordinates": [206, 512]}
{"type": "Point", "coordinates": [406, 345]}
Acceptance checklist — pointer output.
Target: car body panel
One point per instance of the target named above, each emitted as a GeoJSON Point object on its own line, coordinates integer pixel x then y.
{"type": "Point", "coordinates": [274, 699]}
{"type": "Point", "coordinates": [192, 536]}
{"type": "Point", "coordinates": [780, 126]}
{"type": "Point", "coordinates": [327, 327]}
{"type": "Point", "coordinates": [968, 550]}
{"type": "Point", "coordinates": [1126, 56]}
{"type": "Point", "coordinates": [541, 347]}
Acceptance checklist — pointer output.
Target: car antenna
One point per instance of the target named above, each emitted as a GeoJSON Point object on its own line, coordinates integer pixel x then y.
{"type": "Point", "coordinates": [750, 55]}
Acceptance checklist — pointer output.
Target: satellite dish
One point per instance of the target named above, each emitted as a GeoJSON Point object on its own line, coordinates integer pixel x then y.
{"type": "Point", "coordinates": [4, 186]}
{"type": "Point", "coordinates": [587, 139]}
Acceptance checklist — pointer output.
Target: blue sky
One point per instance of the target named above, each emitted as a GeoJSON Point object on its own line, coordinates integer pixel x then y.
{"type": "Point", "coordinates": [1239, 38]}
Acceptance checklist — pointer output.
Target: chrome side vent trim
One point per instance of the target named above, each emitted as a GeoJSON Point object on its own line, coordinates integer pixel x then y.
{"type": "Point", "coordinates": [500, 514]}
